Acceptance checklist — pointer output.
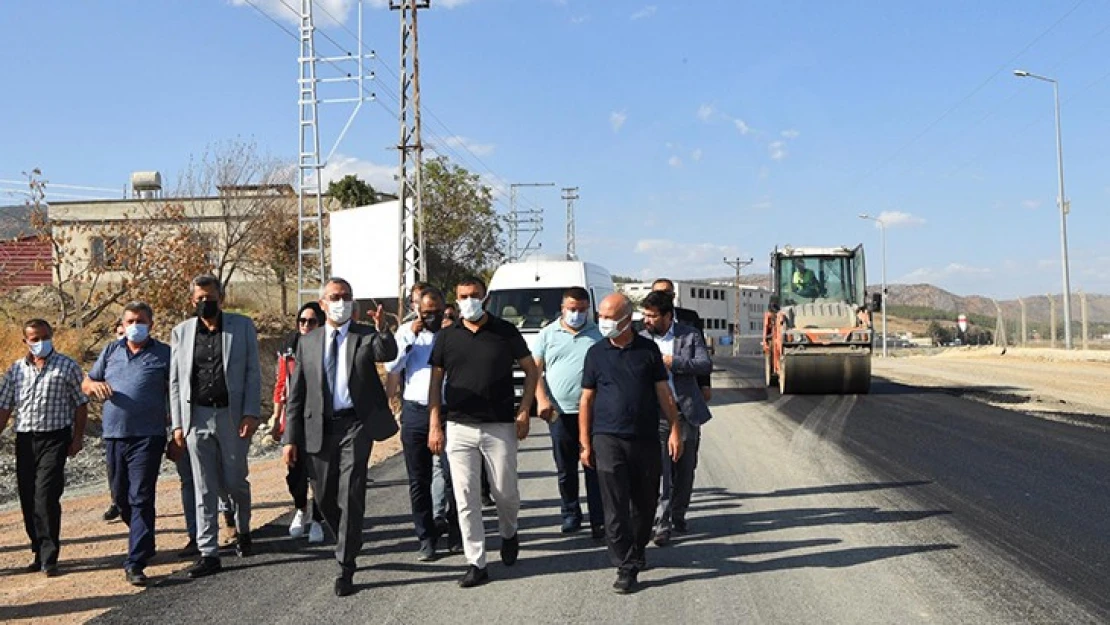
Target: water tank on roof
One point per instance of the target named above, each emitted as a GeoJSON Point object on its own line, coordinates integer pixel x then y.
{"type": "Point", "coordinates": [146, 183]}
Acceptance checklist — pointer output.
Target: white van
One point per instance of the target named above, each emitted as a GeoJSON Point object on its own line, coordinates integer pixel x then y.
{"type": "Point", "coordinates": [529, 293]}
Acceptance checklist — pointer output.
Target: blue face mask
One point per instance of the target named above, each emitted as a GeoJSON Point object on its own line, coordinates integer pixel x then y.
{"type": "Point", "coordinates": [137, 333]}
{"type": "Point", "coordinates": [41, 349]}
{"type": "Point", "coordinates": [575, 318]}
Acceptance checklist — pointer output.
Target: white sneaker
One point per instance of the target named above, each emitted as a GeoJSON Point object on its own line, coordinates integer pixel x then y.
{"type": "Point", "coordinates": [296, 528]}
{"type": "Point", "coordinates": [315, 533]}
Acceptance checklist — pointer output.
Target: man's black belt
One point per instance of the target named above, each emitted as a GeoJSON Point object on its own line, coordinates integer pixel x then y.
{"type": "Point", "coordinates": [211, 404]}
{"type": "Point", "coordinates": [346, 413]}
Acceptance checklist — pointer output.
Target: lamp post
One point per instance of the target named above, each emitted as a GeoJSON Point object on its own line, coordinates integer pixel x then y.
{"type": "Point", "coordinates": [882, 230]}
{"type": "Point", "coordinates": [1065, 206]}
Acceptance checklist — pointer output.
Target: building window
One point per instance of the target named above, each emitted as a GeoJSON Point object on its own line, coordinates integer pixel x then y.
{"type": "Point", "coordinates": [693, 293]}
{"type": "Point", "coordinates": [109, 253]}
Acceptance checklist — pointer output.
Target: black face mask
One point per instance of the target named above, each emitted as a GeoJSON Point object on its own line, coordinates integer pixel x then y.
{"type": "Point", "coordinates": [208, 309]}
{"type": "Point", "coordinates": [433, 322]}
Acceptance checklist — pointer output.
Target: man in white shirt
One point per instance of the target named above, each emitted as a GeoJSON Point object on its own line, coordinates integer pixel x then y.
{"type": "Point", "coordinates": [412, 371]}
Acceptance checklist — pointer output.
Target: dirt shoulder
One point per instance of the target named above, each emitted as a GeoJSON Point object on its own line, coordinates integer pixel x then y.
{"type": "Point", "coordinates": [1069, 385]}
{"type": "Point", "coordinates": [92, 552]}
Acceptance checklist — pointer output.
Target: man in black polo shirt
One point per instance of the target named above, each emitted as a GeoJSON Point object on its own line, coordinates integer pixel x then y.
{"type": "Point", "coordinates": [476, 357]}
{"type": "Point", "coordinates": [624, 386]}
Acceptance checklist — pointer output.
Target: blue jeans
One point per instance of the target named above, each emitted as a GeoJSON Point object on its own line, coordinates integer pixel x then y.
{"type": "Point", "coordinates": [133, 471]}
{"type": "Point", "coordinates": [565, 448]}
{"type": "Point", "coordinates": [419, 465]}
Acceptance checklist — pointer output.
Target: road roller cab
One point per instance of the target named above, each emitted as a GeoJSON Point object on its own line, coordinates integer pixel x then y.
{"type": "Point", "coordinates": [817, 331]}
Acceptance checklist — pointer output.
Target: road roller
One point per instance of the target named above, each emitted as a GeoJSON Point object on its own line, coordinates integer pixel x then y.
{"type": "Point", "coordinates": [817, 331]}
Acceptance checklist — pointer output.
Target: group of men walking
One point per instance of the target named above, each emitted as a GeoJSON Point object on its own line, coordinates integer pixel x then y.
{"type": "Point", "coordinates": [626, 405]}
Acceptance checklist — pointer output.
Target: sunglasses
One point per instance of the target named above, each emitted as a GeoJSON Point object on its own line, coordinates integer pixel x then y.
{"type": "Point", "coordinates": [311, 321]}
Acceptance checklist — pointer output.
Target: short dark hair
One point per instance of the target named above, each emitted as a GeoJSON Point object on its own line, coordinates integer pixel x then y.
{"type": "Point", "coordinates": [576, 293]}
{"type": "Point", "coordinates": [206, 280]}
{"type": "Point", "coordinates": [473, 281]}
{"type": "Point", "coordinates": [450, 305]}
{"type": "Point", "coordinates": [659, 301]}
{"type": "Point", "coordinates": [419, 287]}
{"type": "Point", "coordinates": [434, 293]}
{"type": "Point", "coordinates": [41, 324]}
{"type": "Point", "coordinates": [670, 283]}
{"type": "Point", "coordinates": [141, 308]}
{"type": "Point", "coordinates": [337, 280]}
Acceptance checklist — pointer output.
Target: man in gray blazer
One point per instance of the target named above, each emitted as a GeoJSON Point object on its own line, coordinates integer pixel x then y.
{"type": "Point", "coordinates": [686, 358]}
{"type": "Point", "coordinates": [215, 403]}
{"type": "Point", "coordinates": [336, 409]}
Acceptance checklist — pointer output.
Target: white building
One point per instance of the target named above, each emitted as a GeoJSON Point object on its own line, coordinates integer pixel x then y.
{"type": "Point", "coordinates": [715, 303]}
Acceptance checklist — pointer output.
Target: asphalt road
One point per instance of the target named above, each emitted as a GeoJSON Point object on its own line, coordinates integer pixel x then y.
{"type": "Point", "coordinates": [903, 506]}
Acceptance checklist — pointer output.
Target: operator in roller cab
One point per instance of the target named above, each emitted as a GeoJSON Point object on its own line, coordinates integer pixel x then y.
{"type": "Point", "coordinates": [805, 282]}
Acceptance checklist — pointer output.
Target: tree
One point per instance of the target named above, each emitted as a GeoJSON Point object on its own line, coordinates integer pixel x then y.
{"type": "Point", "coordinates": [940, 334]}
{"type": "Point", "coordinates": [351, 191]}
{"type": "Point", "coordinates": [617, 278]}
{"type": "Point", "coordinates": [462, 234]}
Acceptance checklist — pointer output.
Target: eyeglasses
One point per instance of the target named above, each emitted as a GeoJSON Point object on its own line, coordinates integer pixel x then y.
{"type": "Point", "coordinates": [310, 321]}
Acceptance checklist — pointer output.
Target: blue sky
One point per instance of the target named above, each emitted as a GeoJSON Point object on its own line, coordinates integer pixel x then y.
{"type": "Point", "coordinates": [692, 134]}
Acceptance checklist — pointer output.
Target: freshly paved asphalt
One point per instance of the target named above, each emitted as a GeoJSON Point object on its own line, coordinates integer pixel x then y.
{"type": "Point", "coordinates": [903, 506]}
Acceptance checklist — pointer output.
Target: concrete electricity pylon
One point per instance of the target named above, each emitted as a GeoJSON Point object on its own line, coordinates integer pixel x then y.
{"type": "Point", "coordinates": [570, 194]}
{"type": "Point", "coordinates": [737, 264]}
{"type": "Point", "coordinates": [414, 264]}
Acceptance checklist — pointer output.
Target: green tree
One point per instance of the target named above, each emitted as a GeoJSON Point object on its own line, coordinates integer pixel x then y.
{"type": "Point", "coordinates": [351, 191]}
{"type": "Point", "coordinates": [462, 230]}
{"type": "Point", "coordinates": [939, 333]}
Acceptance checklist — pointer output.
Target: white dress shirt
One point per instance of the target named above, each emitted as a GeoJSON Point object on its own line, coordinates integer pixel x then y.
{"type": "Point", "coordinates": [413, 354]}
{"type": "Point", "coordinates": [665, 342]}
{"type": "Point", "coordinates": [341, 394]}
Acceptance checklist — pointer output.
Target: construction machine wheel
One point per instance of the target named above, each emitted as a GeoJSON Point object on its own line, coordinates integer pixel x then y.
{"type": "Point", "coordinates": [769, 377]}
{"type": "Point", "coordinates": [824, 373]}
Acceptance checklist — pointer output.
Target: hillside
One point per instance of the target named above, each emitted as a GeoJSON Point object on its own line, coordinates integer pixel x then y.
{"type": "Point", "coordinates": [1037, 307]}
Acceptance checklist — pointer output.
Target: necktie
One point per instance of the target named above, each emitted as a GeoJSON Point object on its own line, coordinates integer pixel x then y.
{"type": "Point", "coordinates": [331, 362]}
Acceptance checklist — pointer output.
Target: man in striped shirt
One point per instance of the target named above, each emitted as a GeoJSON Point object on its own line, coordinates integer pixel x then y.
{"type": "Point", "coordinates": [44, 390]}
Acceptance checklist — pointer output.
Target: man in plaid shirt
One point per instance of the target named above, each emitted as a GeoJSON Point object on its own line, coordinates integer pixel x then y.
{"type": "Point", "coordinates": [44, 390]}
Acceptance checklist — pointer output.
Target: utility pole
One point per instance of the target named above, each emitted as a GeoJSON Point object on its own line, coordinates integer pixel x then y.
{"type": "Point", "coordinates": [1083, 313]}
{"type": "Point", "coordinates": [414, 265]}
{"type": "Point", "coordinates": [737, 264]}
{"type": "Point", "coordinates": [999, 326]}
{"type": "Point", "coordinates": [527, 222]}
{"type": "Point", "coordinates": [1024, 333]}
{"type": "Point", "coordinates": [1052, 316]}
{"type": "Point", "coordinates": [570, 194]}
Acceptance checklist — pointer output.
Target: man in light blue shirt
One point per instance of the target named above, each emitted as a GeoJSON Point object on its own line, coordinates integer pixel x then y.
{"type": "Point", "coordinates": [413, 371]}
{"type": "Point", "coordinates": [560, 352]}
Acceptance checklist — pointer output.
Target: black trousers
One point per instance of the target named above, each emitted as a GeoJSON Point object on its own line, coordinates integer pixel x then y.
{"type": "Point", "coordinates": [565, 448]}
{"type": "Point", "coordinates": [296, 478]}
{"type": "Point", "coordinates": [340, 472]}
{"type": "Point", "coordinates": [40, 462]}
{"type": "Point", "coordinates": [628, 472]}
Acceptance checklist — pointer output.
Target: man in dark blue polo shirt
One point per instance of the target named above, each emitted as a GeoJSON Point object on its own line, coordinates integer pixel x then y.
{"type": "Point", "coordinates": [484, 423]}
{"type": "Point", "coordinates": [624, 387]}
{"type": "Point", "coordinates": [131, 376]}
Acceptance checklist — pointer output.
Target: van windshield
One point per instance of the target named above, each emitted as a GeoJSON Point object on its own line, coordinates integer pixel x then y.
{"type": "Point", "coordinates": [527, 309]}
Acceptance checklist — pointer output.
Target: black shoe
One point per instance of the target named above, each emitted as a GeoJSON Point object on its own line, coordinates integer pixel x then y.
{"type": "Point", "coordinates": [454, 541]}
{"type": "Point", "coordinates": [112, 513]}
{"type": "Point", "coordinates": [571, 524]}
{"type": "Point", "coordinates": [427, 551]}
{"type": "Point", "coordinates": [510, 549]}
{"type": "Point", "coordinates": [626, 582]}
{"type": "Point", "coordinates": [51, 570]}
{"type": "Point", "coordinates": [597, 532]}
{"type": "Point", "coordinates": [229, 519]}
{"type": "Point", "coordinates": [34, 567]}
{"type": "Point", "coordinates": [662, 538]}
{"type": "Point", "coordinates": [243, 547]}
{"type": "Point", "coordinates": [344, 586]}
{"type": "Point", "coordinates": [136, 577]}
{"type": "Point", "coordinates": [680, 526]}
{"type": "Point", "coordinates": [189, 551]}
{"type": "Point", "coordinates": [487, 501]}
{"type": "Point", "coordinates": [443, 526]}
{"type": "Point", "coordinates": [204, 567]}
{"type": "Point", "coordinates": [474, 577]}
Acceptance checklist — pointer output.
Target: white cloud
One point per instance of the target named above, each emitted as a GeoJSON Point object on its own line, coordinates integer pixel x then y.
{"type": "Point", "coordinates": [696, 155]}
{"type": "Point", "coordinates": [1031, 204]}
{"type": "Point", "coordinates": [381, 177]}
{"type": "Point", "coordinates": [777, 150]}
{"type": "Point", "coordinates": [683, 260]}
{"type": "Point", "coordinates": [706, 112]}
{"type": "Point", "coordinates": [579, 19]}
{"type": "Point", "coordinates": [478, 149]}
{"type": "Point", "coordinates": [950, 271]}
{"type": "Point", "coordinates": [617, 119]}
{"type": "Point", "coordinates": [644, 13]}
{"type": "Point", "coordinates": [790, 134]}
{"type": "Point", "coordinates": [896, 219]}
{"type": "Point", "coordinates": [742, 126]}
{"type": "Point", "coordinates": [674, 161]}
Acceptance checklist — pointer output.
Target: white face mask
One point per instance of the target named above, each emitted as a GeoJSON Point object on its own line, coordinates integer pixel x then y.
{"type": "Point", "coordinates": [575, 318]}
{"type": "Point", "coordinates": [610, 328]}
{"type": "Point", "coordinates": [41, 349]}
{"type": "Point", "coordinates": [339, 312]}
{"type": "Point", "coordinates": [471, 309]}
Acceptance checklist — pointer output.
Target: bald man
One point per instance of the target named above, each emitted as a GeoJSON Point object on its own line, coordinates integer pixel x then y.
{"type": "Point", "coordinates": [624, 390]}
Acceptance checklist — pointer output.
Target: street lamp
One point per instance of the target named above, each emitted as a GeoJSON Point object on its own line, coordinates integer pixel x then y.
{"type": "Point", "coordinates": [882, 229]}
{"type": "Point", "coordinates": [1065, 206]}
